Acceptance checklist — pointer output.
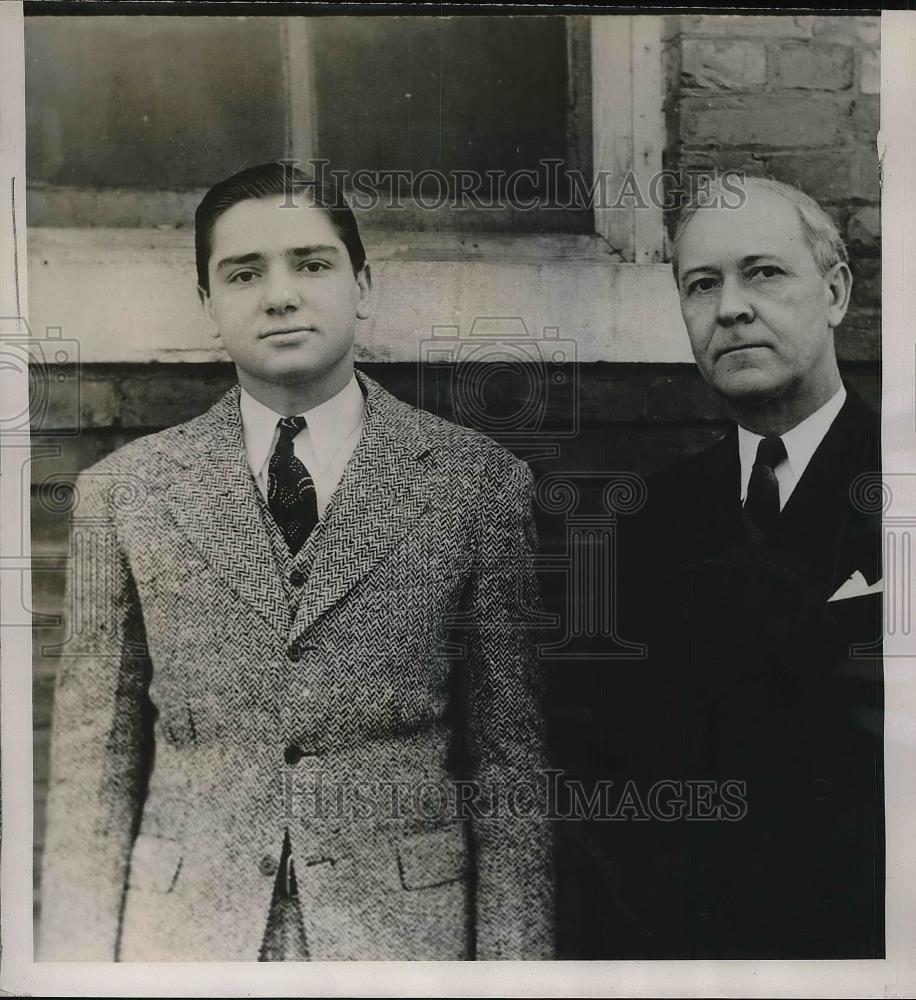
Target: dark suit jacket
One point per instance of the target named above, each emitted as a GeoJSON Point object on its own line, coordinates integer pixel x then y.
{"type": "Point", "coordinates": [752, 677]}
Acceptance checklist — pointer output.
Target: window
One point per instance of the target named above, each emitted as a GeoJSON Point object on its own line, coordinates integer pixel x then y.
{"type": "Point", "coordinates": [129, 108]}
{"type": "Point", "coordinates": [130, 119]}
{"type": "Point", "coordinates": [474, 111]}
{"type": "Point", "coordinates": [150, 103]}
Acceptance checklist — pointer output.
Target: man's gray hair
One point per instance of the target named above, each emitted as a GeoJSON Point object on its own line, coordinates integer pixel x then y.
{"type": "Point", "coordinates": [820, 232]}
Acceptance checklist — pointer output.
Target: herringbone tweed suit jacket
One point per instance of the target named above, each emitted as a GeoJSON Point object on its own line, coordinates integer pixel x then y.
{"type": "Point", "coordinates": [408, 666]}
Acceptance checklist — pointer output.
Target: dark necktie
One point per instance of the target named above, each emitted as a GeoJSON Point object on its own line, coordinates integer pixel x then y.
{"type": "Point", "coordinates": [762, 502]}
{"type": "Point", "coordinates": [290, 490]}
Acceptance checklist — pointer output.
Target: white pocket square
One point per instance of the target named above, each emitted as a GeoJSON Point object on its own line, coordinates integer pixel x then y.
{"type": "Point", "coordinates": [856, 586]}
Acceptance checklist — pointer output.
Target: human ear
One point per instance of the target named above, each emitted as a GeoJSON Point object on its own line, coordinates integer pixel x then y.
{"type": "Point", "coordinates": [364, 283]}
{"type": "Point", "coordinates": [838, 285]}
{"type": "Point", "coordinates": [207, 303]}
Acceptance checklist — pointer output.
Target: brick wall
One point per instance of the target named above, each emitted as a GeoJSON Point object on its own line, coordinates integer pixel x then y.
{"type": "Point", "coordinates": [796, 99]}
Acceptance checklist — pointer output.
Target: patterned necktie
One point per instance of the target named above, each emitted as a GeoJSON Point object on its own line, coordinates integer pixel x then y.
{"type": "Point", "coordinates": [762, 502]}
{"type": "Point", "coordinates": [290, 490]}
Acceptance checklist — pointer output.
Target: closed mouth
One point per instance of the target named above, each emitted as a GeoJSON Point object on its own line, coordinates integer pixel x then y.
{"type": "Point", "coordinates": [739, 347]}
{"type": "Point", "coordinates": [292, 329]}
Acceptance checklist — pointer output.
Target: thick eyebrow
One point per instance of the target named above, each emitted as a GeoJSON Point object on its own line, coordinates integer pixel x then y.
{"type": "Point", "coordinates": [246, 258]}
{"type": "Point", "coordinates": [254, 258]}
{"type": "Point", "coordinates": [308, 251]}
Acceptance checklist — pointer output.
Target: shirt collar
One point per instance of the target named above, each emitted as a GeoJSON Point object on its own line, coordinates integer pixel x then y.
{"type": "Point", "coordinates": [329, 424]}
{"type": "Point", "coordinates": [801, 441]}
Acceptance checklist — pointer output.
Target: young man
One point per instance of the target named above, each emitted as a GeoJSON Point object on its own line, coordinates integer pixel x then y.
{"type": "Point", "coordinates": [755, 565]}
{"type": "Point", "coordinates": [318, 623]}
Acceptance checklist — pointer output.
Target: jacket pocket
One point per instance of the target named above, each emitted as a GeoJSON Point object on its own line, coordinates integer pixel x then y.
{"type": "Point", "coordinates": [430, 859]}
{"type": "Point", "coordinates": [154, 863]}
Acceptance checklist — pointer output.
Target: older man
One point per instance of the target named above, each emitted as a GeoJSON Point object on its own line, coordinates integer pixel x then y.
{"type": "Point", "coordinates": [758, 594]}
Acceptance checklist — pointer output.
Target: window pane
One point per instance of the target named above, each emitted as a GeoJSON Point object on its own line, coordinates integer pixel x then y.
{"type": "Point", "coordinates": [443, 94]}
{"type": "Point", "coordinates": [152, 102]}
{"type": "Point", "coordinates": [131, 118]}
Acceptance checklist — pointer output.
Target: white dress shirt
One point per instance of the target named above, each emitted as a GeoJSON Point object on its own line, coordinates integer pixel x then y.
{"type": "Point", "coordinates": [324, 446]}
{"type": "Point", "coordinates": [801, 443]}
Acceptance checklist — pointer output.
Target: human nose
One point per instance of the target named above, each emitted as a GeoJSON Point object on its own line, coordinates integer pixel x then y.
{"type": "Point", "coordinates": [733, 305]}
{"type": "Point", "coordinates": [280, 294]}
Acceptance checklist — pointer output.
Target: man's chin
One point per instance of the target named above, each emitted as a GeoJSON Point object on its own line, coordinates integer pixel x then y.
{"type": "Point", "coordinates": [748, 386]}
{"type": "Point", "coordinates": [293, 370]}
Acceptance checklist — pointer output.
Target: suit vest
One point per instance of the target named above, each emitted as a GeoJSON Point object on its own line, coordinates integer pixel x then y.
{"type": "Point", "coordinates": [287, 563]}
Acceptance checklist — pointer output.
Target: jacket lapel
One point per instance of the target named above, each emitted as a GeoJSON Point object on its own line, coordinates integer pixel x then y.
{"type": "Point", "coordinates": [382, 493]}
{"type": "Point", "coordinates": [709, 502]}
{"type": "Point", "coordinates": [212, 498]}
{"type": "Point", "coordinates": [819, 518]}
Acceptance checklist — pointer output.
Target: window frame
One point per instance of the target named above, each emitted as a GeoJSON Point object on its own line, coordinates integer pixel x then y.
{"type": "Point", "coordinates": [615, 123]}
{"type": "Point", "coordinates": [127, 292]}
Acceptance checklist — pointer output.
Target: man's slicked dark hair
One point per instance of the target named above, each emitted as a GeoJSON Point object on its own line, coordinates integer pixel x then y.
{"type": "Point", "coordinates": [267, 181]}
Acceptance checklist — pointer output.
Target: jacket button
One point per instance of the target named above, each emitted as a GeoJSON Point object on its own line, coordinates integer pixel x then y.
{"type": "Point", "coordinates": [297, 578]}
{"type": "Point", "coordinates": [295, 652]}
{"type": "Point", "coordinates": [293, 754]}
{"type": "Point", "coordinates": [267, 865]}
